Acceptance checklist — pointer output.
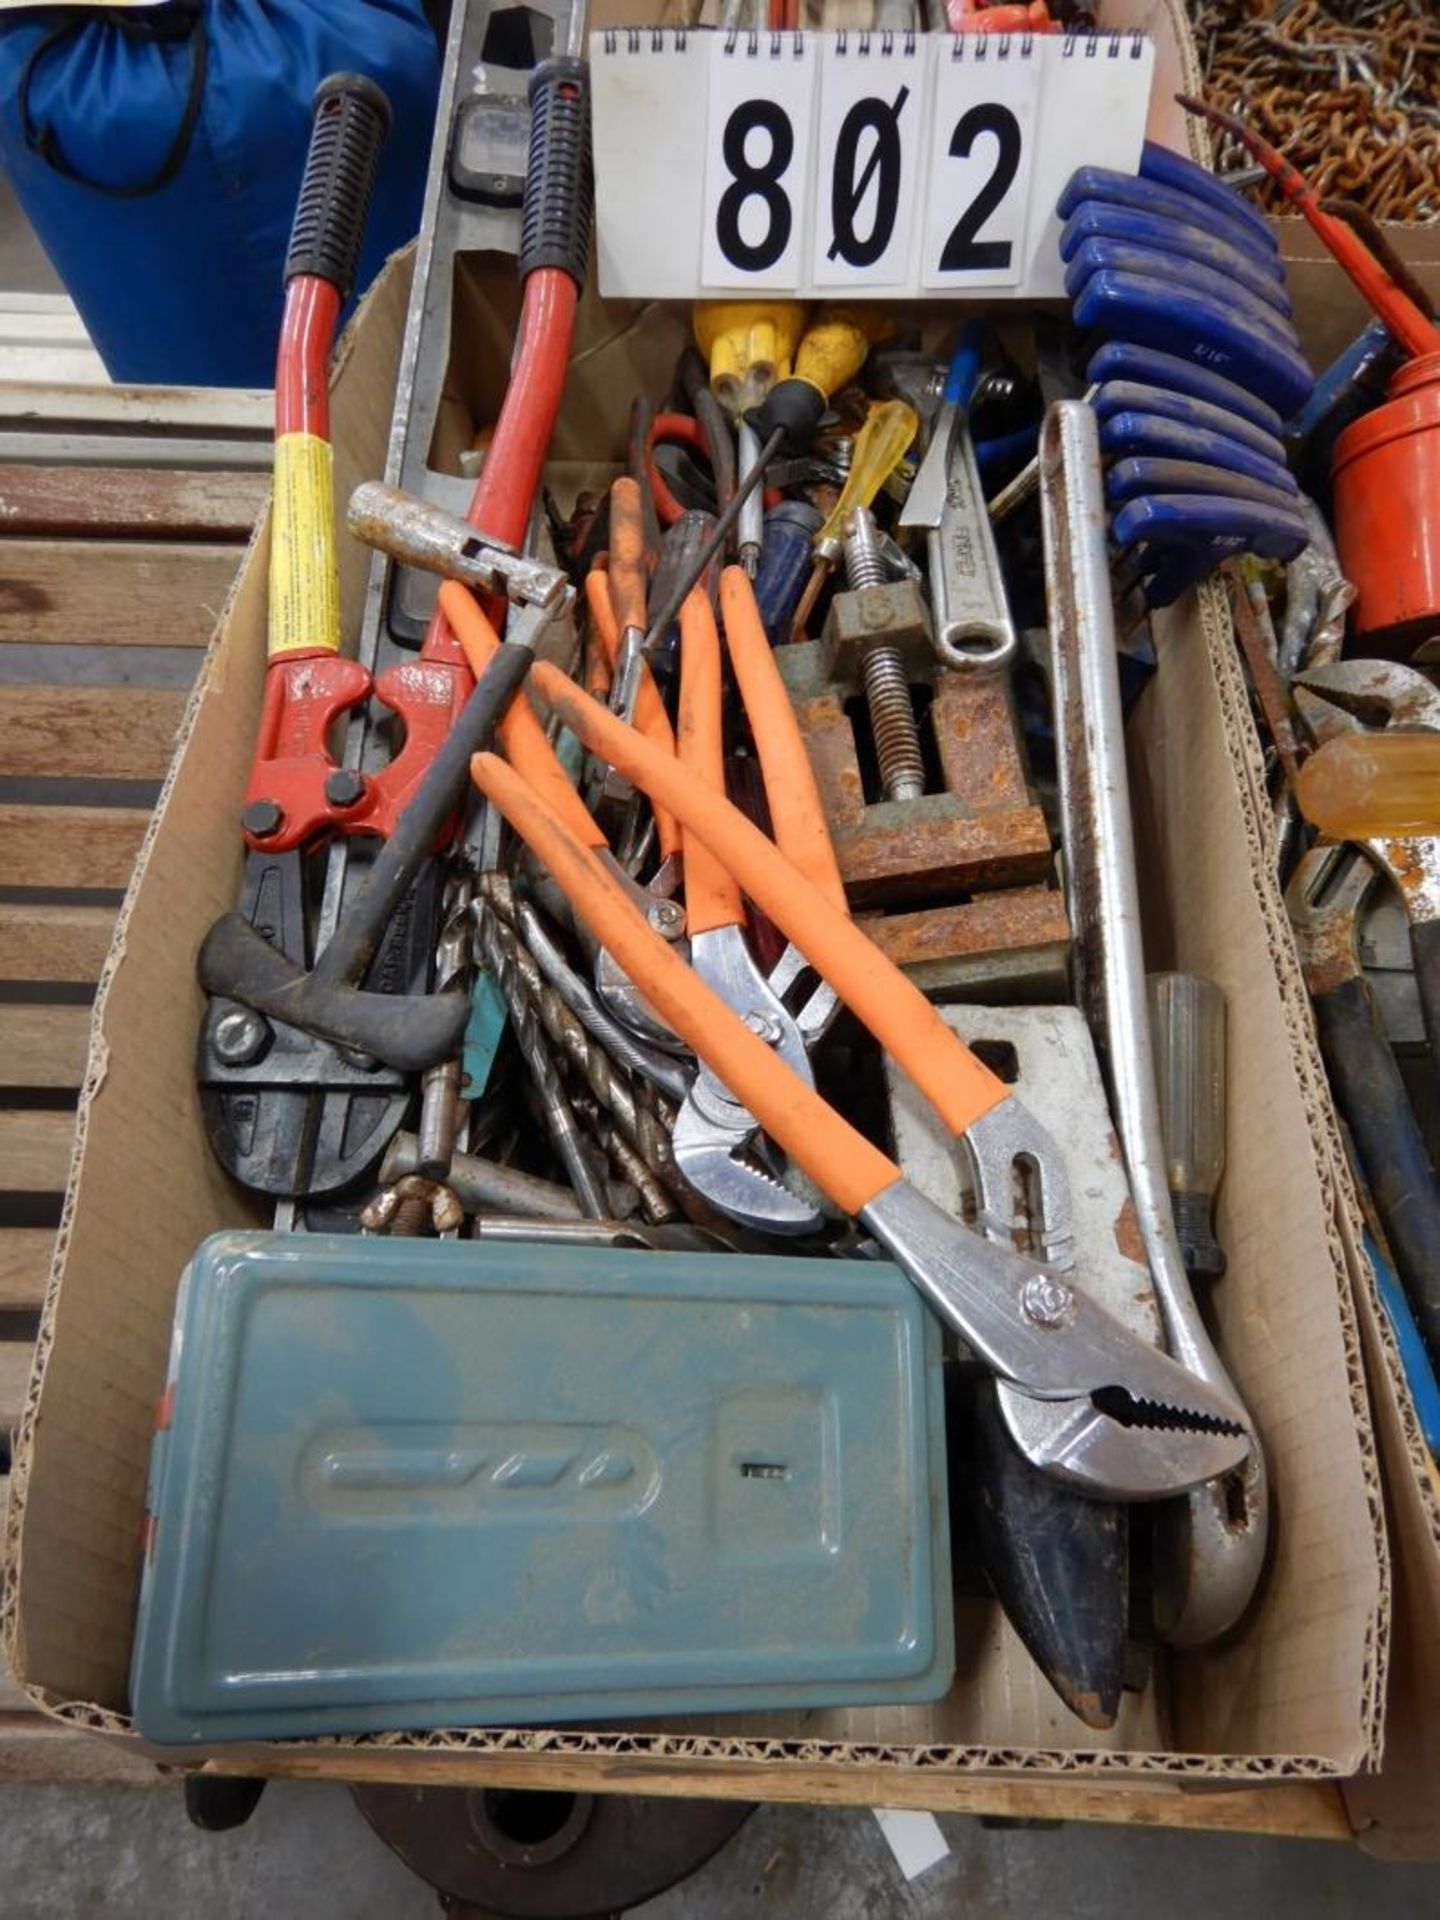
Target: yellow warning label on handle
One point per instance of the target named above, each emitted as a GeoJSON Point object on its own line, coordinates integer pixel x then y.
{"type": "Point", "coordinates": [304, 576]}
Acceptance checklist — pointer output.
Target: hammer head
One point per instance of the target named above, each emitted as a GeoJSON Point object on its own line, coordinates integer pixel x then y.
{"type": "Point", "coordinates": [407, 1031]}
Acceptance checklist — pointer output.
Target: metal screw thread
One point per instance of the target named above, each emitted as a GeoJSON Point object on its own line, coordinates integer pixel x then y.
{"type": "Point", "coordinates": [864, 562]}
{"type": "Point", "coordinates": [882, 673]}
{"type": "Point", "coordinates": [892, 720]}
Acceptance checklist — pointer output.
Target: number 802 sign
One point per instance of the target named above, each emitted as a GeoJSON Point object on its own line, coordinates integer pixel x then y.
{"type": "Point", "coordinates": [892, 161]}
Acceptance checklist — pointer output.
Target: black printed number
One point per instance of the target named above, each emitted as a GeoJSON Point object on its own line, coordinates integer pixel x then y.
{"type": "Point", "coordinates": [750, 181]}
{"type": "Point", "coordinates": [963, 252]}
{"type": "Point", "coordinates": [880, 119]}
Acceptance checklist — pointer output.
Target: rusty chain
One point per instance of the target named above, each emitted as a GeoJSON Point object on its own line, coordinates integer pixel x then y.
{"type": "Point", "coordinates": [1348, 89]}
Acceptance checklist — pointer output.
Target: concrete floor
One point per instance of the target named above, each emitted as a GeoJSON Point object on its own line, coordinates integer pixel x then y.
{"type": "Point", "coordinates": [129, 1854]}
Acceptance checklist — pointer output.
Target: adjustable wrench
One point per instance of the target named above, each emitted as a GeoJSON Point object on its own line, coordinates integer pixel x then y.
{"type": "Point", "coordinates": [973, 628]}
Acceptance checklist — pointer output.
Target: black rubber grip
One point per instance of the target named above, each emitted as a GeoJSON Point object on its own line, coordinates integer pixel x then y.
{"type": "Point", "coordinates": [1371, 1095]}
{"type": "Point", "coordinates": [797, 407]}
{"type": "Point", "coordinates": [352, 118]}
{"type": "Point", "coordinates": [1425, 946]}
{"type": "Point", "coordinates": [560, 173]}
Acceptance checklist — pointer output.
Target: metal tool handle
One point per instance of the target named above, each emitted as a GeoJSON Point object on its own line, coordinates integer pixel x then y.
{"type": "Point", "coordinates": [520, 733]}
{"type": "Point", "coordinates": [1228, 1552]}
{"type": "Point", "coordinates": [973, 628]}
{"type": "Point", "coordinates": [956, 1083]}
{"type": "Point", "coordinates": [420, 534]}
{"type": "Point", "coordinates": [1372, 1097]}
{"type": "Point", "coordinates": [797, 813]}
{"type": "Point", "coordinates": [712, 899]}
{"type": "Point", "coordinates": [354, 943]}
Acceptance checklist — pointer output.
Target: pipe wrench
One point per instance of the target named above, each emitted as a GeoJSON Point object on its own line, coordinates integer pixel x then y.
{"type": "Point", "coordinates": [1223, 1544]}
{"type": "Point", "coordinates": [1132, 1423]}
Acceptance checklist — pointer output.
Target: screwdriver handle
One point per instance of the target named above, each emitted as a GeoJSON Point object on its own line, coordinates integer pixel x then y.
{"type": "Point", "coordinates": [880, 446]}
{"type": "Point", "coordinates": [1187, 1029]}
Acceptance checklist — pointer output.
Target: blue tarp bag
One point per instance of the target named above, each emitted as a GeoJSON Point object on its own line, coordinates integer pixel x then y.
{"type": "Point", "coordinates": [158, 151]}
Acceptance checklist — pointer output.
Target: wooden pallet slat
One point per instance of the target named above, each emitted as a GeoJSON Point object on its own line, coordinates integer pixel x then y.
{"type": "Point", "coordinates": [69, 846]}
{"type": "Point", "coordinates": [113, 592]}
{"type": "Point", "coordinates": [15, 1360]}
{"type": "Point", "coordinates": [43, 1046]}
{"type": "Point", "coordinates": [111, 503]}
{"type": "Point", "coordinates": [118, 733]}
{"type": "Point", "coordinates": [138, 410]}
{"type": "Point", "coordinates": [24, 1268]}
{"type": "Point", "coordinates": [35, 1151]}
{"type": "Point", "coordinates": [47, 943]}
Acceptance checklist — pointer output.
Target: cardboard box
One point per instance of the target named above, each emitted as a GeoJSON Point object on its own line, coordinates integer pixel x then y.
{"type": "Point", "coordinates": [1329, 312]}
{"type": "Point", "coordinates": [1295, 1694]}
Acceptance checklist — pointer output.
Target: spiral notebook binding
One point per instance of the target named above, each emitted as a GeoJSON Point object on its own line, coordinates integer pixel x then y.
{"type": "Point", "coordinates": [1114, 44]}
{"type": "Point", "coordinates": [980, 47]}
{"type": "Point", "coordinates": [882, 42]}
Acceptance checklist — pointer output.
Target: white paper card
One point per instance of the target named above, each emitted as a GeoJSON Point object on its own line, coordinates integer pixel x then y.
{"type": "Point", "coordinates": [723, 162]}
{"type": "Point", "coordinates": [759, 149]}
{"type": "Point", "coordinates": [648, 97]}
{"type": "Point", "coordinates": [914, 1838]}
{"type": "Point", "coordinates": [982, 153]}
{"type": "Point", "coordinates": [870, 152]}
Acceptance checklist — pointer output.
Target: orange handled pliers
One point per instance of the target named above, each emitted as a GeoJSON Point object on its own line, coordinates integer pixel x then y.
{"type": "Point", "coordinates": [713, 1130]}
{"type": "Point", "coordinates": [525, 745]}
{"type": "Point", "coordinates": [1130, 1422]}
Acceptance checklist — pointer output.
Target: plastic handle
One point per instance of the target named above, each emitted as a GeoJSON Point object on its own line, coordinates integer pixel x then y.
{"type": "Point", "coordinates": [957, 1085]}
{"type": "Point", "coordinates": [1163, 436]}
{"type": "Point", "coordinates": [650, 715]}
{"type": "Point", "coordinates": [712, 898]}
{"type": "Point", "coordinates": [520, 732]}
{"type": "Point", "coordinates": [1097, 220]}
{"type": "Point", "coordinates": [841, 1162]}
{"type": "Point", "coordinates": [881, 444]}
{"type": "Point", "coordinates": [797, 815]}
{"type": "Point", "coordinates": [1362, 786]}
{"type": "Point", "coordinates": [352, 118]}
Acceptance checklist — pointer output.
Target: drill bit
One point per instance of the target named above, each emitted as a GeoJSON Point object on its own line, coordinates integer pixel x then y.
{"type": "Point", "coordinates": [663, 1070]}
{"type": "Point", "coordinates": [647, 1130]}
{"type": "Point", "coordinates": [440, 1084]}
{"type": "Point", "coordinates": [560, 1120]}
